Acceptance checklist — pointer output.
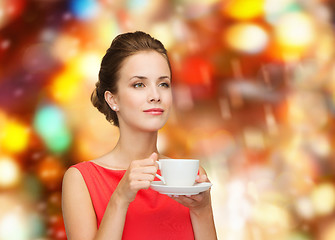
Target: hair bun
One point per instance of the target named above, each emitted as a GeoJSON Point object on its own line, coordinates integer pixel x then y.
{"type": "Point", "coordinates": [95, 98]}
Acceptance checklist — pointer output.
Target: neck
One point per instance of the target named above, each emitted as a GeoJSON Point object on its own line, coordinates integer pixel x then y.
{"type": "Point", "coordinates": [134, 145]}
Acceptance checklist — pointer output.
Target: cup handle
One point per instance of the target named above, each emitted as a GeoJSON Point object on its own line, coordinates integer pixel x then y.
{"type": "Point", "coordinates": [159, 176]}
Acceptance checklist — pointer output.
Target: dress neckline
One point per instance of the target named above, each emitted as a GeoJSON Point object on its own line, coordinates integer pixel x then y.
{"type": "Point", "coordinates": [111, 169]}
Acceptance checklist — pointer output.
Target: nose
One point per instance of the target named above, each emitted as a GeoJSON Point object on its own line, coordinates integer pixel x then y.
{"type": "Point", "coordinates": [154, 95]}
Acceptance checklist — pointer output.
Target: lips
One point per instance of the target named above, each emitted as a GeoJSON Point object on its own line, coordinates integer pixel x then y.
{"type": "Point", "coordinates": [154, 111]}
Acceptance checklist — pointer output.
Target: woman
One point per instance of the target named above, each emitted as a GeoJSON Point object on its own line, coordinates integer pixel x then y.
{"type": "Point", "coordinates": [109, 197]}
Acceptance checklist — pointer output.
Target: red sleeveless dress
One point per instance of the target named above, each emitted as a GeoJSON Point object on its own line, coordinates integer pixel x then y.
{"type": "Point", "coordinates": [150, 216]}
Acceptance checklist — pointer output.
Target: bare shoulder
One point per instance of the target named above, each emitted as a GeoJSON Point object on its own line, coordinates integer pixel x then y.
{"type": "Point", "coordinates": [73, 178]}
{"type": "Point", "coordinates": [78, 212]}
{"type": "Point", "coordinates": [72, 174]}
{"type": "Point", "coordinates": [73, 185]}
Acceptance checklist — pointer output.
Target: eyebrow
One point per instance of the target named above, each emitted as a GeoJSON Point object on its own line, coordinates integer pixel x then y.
{"type": "Point", "coordinates": [142, 77]}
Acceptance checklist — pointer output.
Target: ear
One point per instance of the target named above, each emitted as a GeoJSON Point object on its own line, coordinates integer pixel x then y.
{"type": "Point", "coordinates": [111, 100]}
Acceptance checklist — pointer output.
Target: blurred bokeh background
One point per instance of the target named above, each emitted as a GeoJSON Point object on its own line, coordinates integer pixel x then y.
{"type": "Point", "coordinates": [254, 84]}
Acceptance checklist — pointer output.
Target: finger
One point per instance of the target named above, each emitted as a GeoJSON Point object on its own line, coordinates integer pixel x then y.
{"type": "Point", "coordinates": [145, 184]}
{"type": "Point", "coordinates": [151, 159]}
{"type": "Point", "coordinates": [183, 199]}
{"type": "Point", "coordinates": [197, 197]}
{"type": "Point", "coordinates": [146, 169]}
{"type": "Point", "coordinates": [147, 177]}
{"type": "Point", "coordinates": [202, 178]}
{"type": "Point", "coordinates": [142, 177]}
{"type": "Point", "coordinates": [145, 162]}
{"type": "Point", "coordinates": [202, 171]}
{"type": "Point", "coordinates": [154, 156]}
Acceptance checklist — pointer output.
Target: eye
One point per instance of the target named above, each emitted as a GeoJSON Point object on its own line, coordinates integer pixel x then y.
{"type": "Point", "coordinates": [138, 85]}
{"type": "Point", "coordinates": [165, 84]}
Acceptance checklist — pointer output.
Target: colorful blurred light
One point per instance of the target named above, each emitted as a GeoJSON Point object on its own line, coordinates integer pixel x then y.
{"type": "Point", "coordinates": [299, 236]}
{"type": "Point", "coordinates": [38, 58]}
{"type": "Point", "coordinates": [50, 124]}
{"type": "Point", "coordinates": [17, 220]}
{"type": "Point", "coordinates": [14, 136]}
{"type": "Point", "coordinates": [65, 47]}
{"type": "Point", "coordinates": [2, 14]}
{"type": "Point", "coordinates": [238, 205]}
{"type": "Point", "coordinates": [84, 9]}
{"type": "Point", "coordinates": [301, 115]}
{"type": "Point", "coordinates": [50, 171]}
{"type": "Point", "coordinates": [196, 9]}
{"type": "Point", "coordinates": [10, 9]}
{"type": "Point", "coordinates": [91, 137]}
{"type": "Point", "coordinates": [89, 66]}
{"type": "Point", "coordinates": [197, 71]}
{"type": "Point", "coordinates": [56, 227]}
{"type": "Point", "coordinates": [323, 199]}
{"type": "Point", "coordinates": [246, 37]}
{"type": "Point", "coordinates": [304, 207]}
{"type": "Point", "coordinates": [272, 217]}
{"type": "Point", "coordinates": [254, 138]}
{"type": "Point", "coordinates": [304, 171]}
{"type": "Point", "coordinates": [244, 9]}
{"type": "Point", "coordinates": [320, 145]}
{"type": "Point", "coordinates": [328, 232]}
{"type": "Point", "coordinates": [13, 227]}
{"type": "Point", "coordinates": [275, 9]}
{"type": "Point", "coordinates": [10, 173]}
{"type": "Point", "coordinates": [64, 87]}
{"type": "Point", "coordinates": [36, 226]}
{"type": "Point", "coordinates": [107, 28]}
{"type": "Point", "coordinates": [164, 32]}
{"type": "Point", "coordinates": [138, 5]}
{"type": "Point", "coordinates": [294, 33]}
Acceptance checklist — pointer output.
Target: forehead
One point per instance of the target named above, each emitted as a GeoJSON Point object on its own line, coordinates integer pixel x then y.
{"type": "Point", "coordinates": [145, 63]}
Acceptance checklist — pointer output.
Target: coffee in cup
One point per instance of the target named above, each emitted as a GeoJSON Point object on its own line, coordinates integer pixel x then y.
{"type": "Point", "coordinates": [178, 172]}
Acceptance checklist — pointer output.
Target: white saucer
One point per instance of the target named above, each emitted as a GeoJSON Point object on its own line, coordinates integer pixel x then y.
{"type": "Point", "coordinates": [180, 190]}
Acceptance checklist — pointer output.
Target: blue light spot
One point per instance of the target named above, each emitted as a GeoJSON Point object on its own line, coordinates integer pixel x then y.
{"type": "Point", "coordinates": [84, 9]}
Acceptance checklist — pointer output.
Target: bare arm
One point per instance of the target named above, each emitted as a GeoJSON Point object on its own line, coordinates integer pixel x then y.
{"type": "Point", "coordinates": [77, 207]}
{"type": "Point", "coordinates": [79, 216]}
{"type": "Point", "coordinates": [203, 221]}
{"type": "Point", "coordinates": [201, 212]}
{"type": "Point", "coordinates": [112, 223]}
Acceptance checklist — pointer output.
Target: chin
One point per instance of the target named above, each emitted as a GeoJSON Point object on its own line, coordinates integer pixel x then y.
{"type": "Point", "coordinates": [153, 128]}
{"type": "Point", "coordinates": [147, 125]}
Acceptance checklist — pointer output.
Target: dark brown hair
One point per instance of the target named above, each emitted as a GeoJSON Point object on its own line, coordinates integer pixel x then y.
{"type": "Point", "coordinates": [123, 46]}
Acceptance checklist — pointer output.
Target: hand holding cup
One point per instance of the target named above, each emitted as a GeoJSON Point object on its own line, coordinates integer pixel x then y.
{"type": "Point", "coordinates": [139, 175]}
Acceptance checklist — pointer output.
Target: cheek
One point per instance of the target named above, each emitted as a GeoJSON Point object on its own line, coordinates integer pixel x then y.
{"type": "Point", "coordinates": [168, 99]}
{"type": "Point", "coordinates": [132, 100]}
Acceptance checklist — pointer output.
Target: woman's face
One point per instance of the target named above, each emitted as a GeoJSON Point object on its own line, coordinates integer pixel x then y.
{"type": "Point", "coordinates": [144, 95]}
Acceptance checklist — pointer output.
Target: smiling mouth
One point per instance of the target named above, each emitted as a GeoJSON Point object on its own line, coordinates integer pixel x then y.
{"type": "Point", "coordinates": [154, 111]}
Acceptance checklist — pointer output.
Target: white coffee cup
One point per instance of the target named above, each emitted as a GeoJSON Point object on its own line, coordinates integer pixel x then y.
{"type": "Point", "coordinates": [178, 172]}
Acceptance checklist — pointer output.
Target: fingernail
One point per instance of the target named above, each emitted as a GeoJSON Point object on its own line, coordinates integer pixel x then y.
{"type": "Point", "coordinates": [176, 196]}
{"type": "Point", "coordinates": [188, 195]}
{"type": "Point", "coordinates": [169, 195]}
{"type": "Point", "coordinates": [197, 177]}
